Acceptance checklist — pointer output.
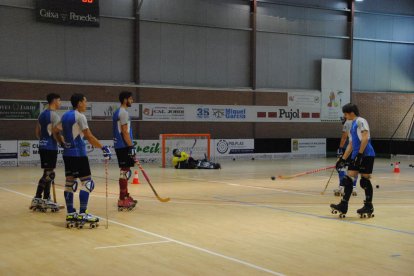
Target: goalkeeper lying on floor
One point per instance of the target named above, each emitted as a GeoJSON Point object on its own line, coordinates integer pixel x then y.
{"type": "Point", "coordinates": [182, 160]}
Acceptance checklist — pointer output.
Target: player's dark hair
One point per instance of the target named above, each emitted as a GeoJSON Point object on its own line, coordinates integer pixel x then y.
{"type": "Point", "coordinates": [349, 108]}
{"type": "Point", "coordinates": [75, 99]}
{"type": "Point", "coordinates": [52, 96]}
{"type": "Point", "coordinates": [124, 95]}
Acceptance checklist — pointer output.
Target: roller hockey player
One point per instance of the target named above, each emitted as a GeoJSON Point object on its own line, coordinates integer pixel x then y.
{"type": "Point", "coordinates": [47, 131]}
{"type": "Point", "coordinates": [75, 128]}
{"type": "Point", "coordinates": [125, 150]}
{"type": "Point", "coordinates": [182, 160]}
{"type": "Point", "coordinates": [340, 152]}
{"type": "Point", "coordinates": [362, 155]}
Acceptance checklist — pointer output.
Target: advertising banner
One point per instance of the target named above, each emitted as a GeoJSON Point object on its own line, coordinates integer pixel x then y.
{"type": "Point", "coordinates": [19, 110]}
{"type": "Point", "coordinates": [223, 147]}
{"type": "Point", "coordinates": [66, 106]}
{"type": "Point", "coordinates": [8, 153]}
{"type": "Point", "coordinates": [305, 99]}
{"type": "Point", "coordinates": [309, 147]}
{"type": "Point", "coordinates": [163, 112]}
{"type": "Point", "coordinates": [105, 110]}
{"type": "Point", "coordinates": [336, 87]}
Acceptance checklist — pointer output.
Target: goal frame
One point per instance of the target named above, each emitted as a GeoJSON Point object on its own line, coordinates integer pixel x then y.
{"type": "Point", "coordinates": [164, 137]}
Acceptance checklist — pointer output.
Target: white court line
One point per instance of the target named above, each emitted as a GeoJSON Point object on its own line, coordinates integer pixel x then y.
{"type": "Point", "coordinates": [249, 186]}
{"type": "Point", "coordinates": [235, 260]}
{"type": "Point", "coordinates": [132, 244]}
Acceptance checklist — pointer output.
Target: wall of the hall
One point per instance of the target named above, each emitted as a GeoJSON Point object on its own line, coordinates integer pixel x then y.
{"type": "Point", "coordinates": [33, 50]}
{"type": "Point", "coordinates": [384, 46]}
{"type": "Point", "coordinates": [206, 43]}
{"type": "Point", "coordinates": [372, 106]}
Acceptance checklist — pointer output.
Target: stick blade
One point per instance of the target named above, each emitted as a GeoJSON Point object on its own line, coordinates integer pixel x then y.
{"type": "Point", "coordinates": [285, 176]}
{"type": "Point", "coordinates": [163, 199]}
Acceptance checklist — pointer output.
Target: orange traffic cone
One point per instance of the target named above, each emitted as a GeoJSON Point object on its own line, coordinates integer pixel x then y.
{"type": "Point", "coordinates": [397, 167]}
{"type": "Point", "coordinates": [136, 179]}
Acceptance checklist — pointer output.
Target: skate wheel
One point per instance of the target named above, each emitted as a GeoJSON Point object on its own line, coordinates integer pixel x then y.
{"type": "Point", "coordinates": [371, 215]}
{"type": "Point", "coordinates": [342, 216]}
{"type": "Point", "coordinates": [92, 226]}
{"type": "Point", "coordinates": [364, 215]}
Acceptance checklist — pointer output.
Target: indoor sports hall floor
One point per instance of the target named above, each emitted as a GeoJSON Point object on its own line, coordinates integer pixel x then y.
{"type": "Point", "coordinates": [235, 221]}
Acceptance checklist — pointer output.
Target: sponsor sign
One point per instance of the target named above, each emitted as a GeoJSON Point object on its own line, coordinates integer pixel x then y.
{"type": "Point", "coordinates": [309, 147]}
{"type": "Point", "coordinates": [23, 110]}
{"type": "Point", "coordinates": [218, 113]}
{"type": "Point", "coordinates": [336, 87]}
{"type": "Point", "coordinates": [163, 112]}
{"type": "Point", "coordinates": [8, 153]}
{"type": "Point", "coordinates": [310, 99]}
{"type": "Point", "coordinates": [66, 106]}
{"type": "Point", "coordinates": [28, 153]}
{"type": "Point", "coordinates": [68, 12]}
{"type": "Point", "coordinates": [287, 114]}
{"type": "Point", "coordinates": [105, 110]}
{"type": "Point", "coordinates": [232, 146]}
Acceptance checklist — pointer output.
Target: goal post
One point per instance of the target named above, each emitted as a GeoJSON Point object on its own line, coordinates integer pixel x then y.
{"type": "Point", "coordinates": [197, 145]}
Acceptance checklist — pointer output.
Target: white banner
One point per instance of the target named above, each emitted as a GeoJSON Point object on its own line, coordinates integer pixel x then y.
{"type": "Point", "coordinates": [105, 110]}
{"type": "Point", "coordinates": [8, 153]}
{"type": "Point", "coordinates": [305, 99]}
{"type": "Point", "coordinates": [221, 147]}
{"type": "Point", "coordinates": [336, 87]}
{"type": "Point", "coordinates": [309, 147]}
{"type": "Point", "coordinates": [163, 112]}
{"type": "Point", "coordinates": [66, 106]}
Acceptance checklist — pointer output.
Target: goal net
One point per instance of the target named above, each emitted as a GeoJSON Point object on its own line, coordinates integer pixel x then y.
{"type": "Point", "coordinates": [196, 145]}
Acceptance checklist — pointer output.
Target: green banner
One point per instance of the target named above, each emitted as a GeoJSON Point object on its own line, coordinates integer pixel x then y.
{"type": "Point", "coordinates": [19, 110]}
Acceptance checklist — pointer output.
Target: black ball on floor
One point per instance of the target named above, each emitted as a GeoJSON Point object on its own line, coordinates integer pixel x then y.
{"type": "Point", "coordinates": [273, 178]}
{"type": "Point", "coordinates": [377, 186]}
{"type": "Point", "coordinates": [234, 159]}
{"type": "Point", "coordinates": [252, 158]}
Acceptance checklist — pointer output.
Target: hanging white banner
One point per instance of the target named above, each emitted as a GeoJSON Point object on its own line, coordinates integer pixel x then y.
{"type": "Point", "coordinates": [336, 87]}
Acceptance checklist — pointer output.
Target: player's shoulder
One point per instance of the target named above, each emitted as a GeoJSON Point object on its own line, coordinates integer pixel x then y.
{"type": "Point", "coordinates": [79, 116]}
{"type": "Point", "coordinates": [360, 120]}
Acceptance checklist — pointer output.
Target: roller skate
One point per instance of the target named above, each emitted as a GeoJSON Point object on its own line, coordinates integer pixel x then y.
{"type": "Point", "coordinates": [354, 192]}
{"type": "Point", "coordinates": [37, 205]}
{"type": "Point", "coordinates": [50, 205]}
{"type": "Point", "coordinates": [71, 220]}
{"type": "Point", "coordinates": [126, 204]}
{"type": "Point", "coordinates": [130, 198]}
{"type": "Point", "coordinates": [339, 191]}
{"type": "Point", "coordinates": [341, 208]}
{"type": "Point", "coordinates": [366, 211]}
{"type": "Point", "coordinates": [84, 218]}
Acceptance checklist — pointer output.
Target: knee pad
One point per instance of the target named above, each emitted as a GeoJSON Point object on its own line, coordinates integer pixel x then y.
{"type": "Point", "coordinates": [125, 173]}
{"type": "Point", "coordinates": [347, 181]}
{"type": "Point", "coordinates": [71, 186]}
{"type": "Point", "coordinates": [49, 175]}
{"type": "Point", "coordinates": [365, 183]}
{"type": "Point", "coordinates": [88, 185]}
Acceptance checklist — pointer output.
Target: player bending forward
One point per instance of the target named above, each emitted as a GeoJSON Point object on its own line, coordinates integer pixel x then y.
{"type": "Point", "coordinates": [182, 160]}
{"type": "Point", "coordinates": [362, 155]}
{"type": "Point", "coordinates": [340, 152]}
{"type": "Point", "coordinates": [125, 150]}
{"type": "Point", "coordinates": [75, 127]}
{"type": "Point", "coordinates": [47, 131]}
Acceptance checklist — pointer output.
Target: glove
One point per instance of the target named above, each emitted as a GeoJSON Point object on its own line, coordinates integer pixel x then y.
{"type": "Point", "coordinates": [340, 152]}
{"type": "Point", "coordinates": [106, 152]}
{"type": "Point", "coordinates": [132, 152]}
{"type": "Point", "coordinates": [340, 164]}
{"type": "Point", "coordinates": [358, 160]}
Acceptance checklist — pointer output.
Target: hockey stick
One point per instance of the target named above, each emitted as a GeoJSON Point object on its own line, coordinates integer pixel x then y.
{"type": "Point", "coordinates": [106, 192]}
{"type": "Point", "coordinates": [305, 173]}
{"type": "Point", "coordinates": [54, 195]}
{"type": "Point", "coordinates": [327, 183]}
{"type": "Point", "coordinates": [149, 182]}
{"type": "Point", "coordinates": [192, 148]}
